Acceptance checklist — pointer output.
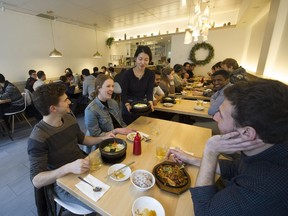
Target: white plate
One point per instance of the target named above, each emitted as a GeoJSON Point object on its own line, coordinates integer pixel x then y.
{"type": "Point", "coordinates": [132, 135]}
{"type": "Point", "coordinates": [147, 202]}
{"type": "Point", "coordinates": [168, 104]}
{"type": "Point", "coordinates": [199, 108]}
{"type": "Point", "coordinates": [126, 171]}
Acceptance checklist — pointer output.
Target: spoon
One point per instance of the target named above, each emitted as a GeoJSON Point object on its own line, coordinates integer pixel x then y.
{"type": "Point", "coordinates": [95, 189]}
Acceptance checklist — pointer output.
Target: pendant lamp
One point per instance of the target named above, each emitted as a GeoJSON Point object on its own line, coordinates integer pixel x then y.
{"type": "Point", "coordinates": [97, 54]}
{"type": "Point", "coordinates": [55, 53]}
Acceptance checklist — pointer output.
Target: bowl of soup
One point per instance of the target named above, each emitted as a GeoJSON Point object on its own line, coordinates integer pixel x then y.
{"type": "Point", "coordinates": [140, 107]}
{"type": "Point", "coordinates": [113, 150]}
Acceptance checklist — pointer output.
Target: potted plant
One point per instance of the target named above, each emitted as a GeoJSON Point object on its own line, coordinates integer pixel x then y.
{"type": "Point", "coordinates": [110, 41]}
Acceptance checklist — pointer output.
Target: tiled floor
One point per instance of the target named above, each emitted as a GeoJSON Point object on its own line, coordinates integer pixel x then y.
{"type": "Point", "coordinates": [16, 191]}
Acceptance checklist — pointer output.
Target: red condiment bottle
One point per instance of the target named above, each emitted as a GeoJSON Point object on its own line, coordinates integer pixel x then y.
{"type": "Point", "coordinates": [137, 145]}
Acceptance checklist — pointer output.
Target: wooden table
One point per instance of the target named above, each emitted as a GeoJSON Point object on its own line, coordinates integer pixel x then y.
{"type": "Point", "coordinates": [185, 107]}
{"type": "Point", "coordinates": [120, 197]}
{"type": "Point", "coordinates": [189, 96]}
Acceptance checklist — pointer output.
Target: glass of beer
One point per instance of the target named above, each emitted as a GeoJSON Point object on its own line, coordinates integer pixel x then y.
{"type": "Point", "coordinates": [161, 150]}
{"type": "Point", "coordinates": [95, 162]}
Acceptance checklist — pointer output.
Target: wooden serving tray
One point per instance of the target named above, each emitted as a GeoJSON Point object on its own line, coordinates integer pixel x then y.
{"type": "Point", "coordinates": [168, 188]}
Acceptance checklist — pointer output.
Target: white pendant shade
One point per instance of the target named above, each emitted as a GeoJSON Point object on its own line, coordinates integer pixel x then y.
{"type": "Point", "coordinates": [97, 55]}
{"type": "Point", "coordinates": [55, 53]}
{"type": "Point", "coordinates": [188, 37]}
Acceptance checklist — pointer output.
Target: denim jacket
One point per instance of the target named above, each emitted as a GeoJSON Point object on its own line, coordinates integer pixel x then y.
{"type": "Point", "coordinates": [97, 118]}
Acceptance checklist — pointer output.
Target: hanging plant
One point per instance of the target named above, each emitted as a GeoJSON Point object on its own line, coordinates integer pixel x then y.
{"type": "Point", "coordinates": [198, 46]}
{"type": "Point", "coordinates": [110, 41]}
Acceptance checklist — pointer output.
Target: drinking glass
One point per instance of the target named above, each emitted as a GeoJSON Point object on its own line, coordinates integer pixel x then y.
{"type": "Point", "coordinates": [161, 150]}
{"type": "Point", "coordinates": [95, 162]}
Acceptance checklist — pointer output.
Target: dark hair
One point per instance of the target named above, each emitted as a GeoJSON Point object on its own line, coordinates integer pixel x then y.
{"type": "Point", "coordinates": [263, 105]}
{"type": "Point", "coordinates": [143, 49]}
{"type": "Point", "coordinates": [85, 72]}
{"type": "Point", "coordinates": [230, 62]}
{"type": "Point", "coordinates": [165, 72]}
{"type": "Point", "coordinates": [111, 69]}
{"type": "Point", "coordinates": [103, 67]}
{"type": "Point", "coordinates": [223, 73]}
{"type": "Point", "coordinates": [169, 60]}
{"type": "Point", "coordinates": [68, 70]}
{"type": "Point", "coordinates": [101, 78]}
{"type": "Point", "coordinates": [40, 74]}
{"type": "Point", "coordinates": [30, 72]}
{"type": "Point", "coordinates": [69, 75]}
{"type": "Point", "coordinates": [217, 65]}
{"type": "Point", "coordinates": [177, 68]}
{"type": "Point", "coordinates": [95, 69]}
{"type": "Point", "coordinates": [47, 95]}
{"type": "Point", "coordinates": [184, 65]}
{"type": "Point", "coordinates": [157, 72]}
{"type": "Point", "coordinates": [2, 78]}
{"type": "Point", "coordinates": [63, 78]}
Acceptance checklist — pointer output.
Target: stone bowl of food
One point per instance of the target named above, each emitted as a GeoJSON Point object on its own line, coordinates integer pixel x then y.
{"type": "Point", "coordinates": [140, 107]}
{"type": "Point", "coordinates": [168, 100]}
{"type": "Point", "coordinates": [113, 150]}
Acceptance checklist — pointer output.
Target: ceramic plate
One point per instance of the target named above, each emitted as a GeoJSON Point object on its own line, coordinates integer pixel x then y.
{"type": "Point", "coordinates": [168, 104]}
{"type": "Point", "coordinates": [146, 203]}
{"type": "Point", "coordinates": [199, 108]}
{"type": "Point", "coordinates": [132, 135]}
{"type": "Point", "coordinates": [126, 172]}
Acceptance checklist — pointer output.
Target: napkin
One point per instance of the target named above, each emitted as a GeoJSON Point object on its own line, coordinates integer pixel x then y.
{"type": "Point", "coordinates": [88, 190]}
{"type": "Point", "coordinates": [143, 134]}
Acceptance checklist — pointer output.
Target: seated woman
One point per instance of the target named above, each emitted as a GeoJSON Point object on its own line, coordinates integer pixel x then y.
{"type": "Point", "coordinates": [167, 81]}
{"type": "Point", "coordinates": [103, 115]}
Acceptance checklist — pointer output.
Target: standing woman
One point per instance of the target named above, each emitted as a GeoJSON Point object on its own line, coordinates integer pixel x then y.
{"type": "Point", "coordinates": [138, 83]}
{"type": "Point", "coordinates": [103, 115]}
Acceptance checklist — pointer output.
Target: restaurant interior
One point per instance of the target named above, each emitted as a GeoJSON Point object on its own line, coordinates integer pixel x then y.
{"type": "Point", "coordinates": [58, 34]}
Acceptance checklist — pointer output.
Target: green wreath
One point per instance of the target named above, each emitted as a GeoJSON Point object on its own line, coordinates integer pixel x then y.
{"type": "Point", "coordinates": [198, 46]}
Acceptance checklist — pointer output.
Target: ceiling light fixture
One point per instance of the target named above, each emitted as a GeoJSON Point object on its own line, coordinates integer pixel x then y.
{"type": "Point", "coordinates": [188, 37]}
{"type": "Point", "coordinates": [55, 53]}
{"type": "Point", "coordinates": [2, 8]}
{"type": "Point", "coordinates": [97, 54]}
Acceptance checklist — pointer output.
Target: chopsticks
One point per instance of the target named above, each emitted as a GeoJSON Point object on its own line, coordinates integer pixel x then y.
{"type": "Point", "coordinates": [118, 170]}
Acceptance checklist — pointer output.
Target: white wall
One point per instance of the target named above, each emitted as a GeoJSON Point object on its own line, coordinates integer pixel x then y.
{"type": "Point", "coordinates": [227, 43]}
{"type": "Point", "coordinates": [26, 42]}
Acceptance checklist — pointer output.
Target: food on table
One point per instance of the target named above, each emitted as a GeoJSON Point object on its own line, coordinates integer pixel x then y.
{"type": "Point", "coordinates": [167, 98]}
{"type": "Point", "coordinates": [113, 147]}
{"type": "Point", "coordinates": [143, 180]}
{"type": "Point", "coordinates": [118, 175]}
{"type": "Point", "coordinates": [140, 105]}
{"type": "Point", "coordinates": [146, 212]}
{"type": "Point", "coordinates": [171, 175]}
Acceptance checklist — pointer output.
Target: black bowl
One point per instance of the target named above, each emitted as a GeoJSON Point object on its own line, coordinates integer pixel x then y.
{"type": "Point", "coordinates": [112, 156]}
{"type": "Point", "coordinates": [140, 107]}
{"type": "Point", "coordinates": [168, 100]}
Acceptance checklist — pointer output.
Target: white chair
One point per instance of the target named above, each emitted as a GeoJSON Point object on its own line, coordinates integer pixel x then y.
{"type": "Point", "coordinates": [21, 112]}
{"type": "Point", "coordinates": [71, 207]}
{"type": "Point", "coordinates": [28, 97]}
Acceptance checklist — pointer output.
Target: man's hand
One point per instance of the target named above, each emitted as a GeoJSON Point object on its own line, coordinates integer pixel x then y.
{"type": "Point", "coordinates": [79, 166]}
{"type": "Point", "coordinates": [230, 143]}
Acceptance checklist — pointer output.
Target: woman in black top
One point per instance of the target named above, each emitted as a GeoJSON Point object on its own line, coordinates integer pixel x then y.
{"type": "Point", "coordinates": [138, 83]}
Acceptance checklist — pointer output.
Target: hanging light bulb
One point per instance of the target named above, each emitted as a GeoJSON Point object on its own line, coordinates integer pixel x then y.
{"type": "Point", "coordinates": [97, 54]}
{"type": "Point", "coordinates": [55, 53]}
{"type": "Point", "coordinates": [183, 4]}
{"type": "Point", "coordinates": [197, 9]}
{"type": "Point", "coordinates": [206, 13]}
{"type": "Point", "coordinates": [188, 37]}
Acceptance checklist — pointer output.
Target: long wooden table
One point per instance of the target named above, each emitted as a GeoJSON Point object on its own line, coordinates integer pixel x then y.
{"type": "Point", "coordinates": [185, 107]}
{"type": "Point", "coordinates": [120, 197]}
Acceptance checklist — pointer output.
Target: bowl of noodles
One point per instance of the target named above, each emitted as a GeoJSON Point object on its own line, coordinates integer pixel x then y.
{"type": "Point", "coordinates": [113, 150]}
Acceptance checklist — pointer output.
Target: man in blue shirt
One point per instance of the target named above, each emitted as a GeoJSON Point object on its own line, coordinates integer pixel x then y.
{"type": "Point", "coordinates": [220, 81]}
{"type": "Point", "coordinates": [253, 120]}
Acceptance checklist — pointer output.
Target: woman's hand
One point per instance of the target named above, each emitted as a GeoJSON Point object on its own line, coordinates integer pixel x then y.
{"type": "Point", "coordinates": [152, 106]}
{"type": "Point", "coordinates": [123, 131]}
{"type": "Point", "coordinates": [128, 106]}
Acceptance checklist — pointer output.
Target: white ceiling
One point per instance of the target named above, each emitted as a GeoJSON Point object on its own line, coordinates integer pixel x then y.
{"type": "Point", "coordinates": [113, 15]}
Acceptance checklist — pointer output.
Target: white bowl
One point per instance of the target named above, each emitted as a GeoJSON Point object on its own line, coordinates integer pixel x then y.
{"type": "Point", "coordinates": [126, 171]}
{"type": "Point", "coordinates": [168, 104]}
{"type": "Point", "coordinates": [199, 108]}
{"type": "Point", "coordinates": [149, 203]}
{"type": "Point", "coordinates": [142, 180]}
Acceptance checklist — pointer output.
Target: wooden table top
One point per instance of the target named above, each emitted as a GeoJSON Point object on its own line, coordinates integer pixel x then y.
{"type": "Point", "coordinates": [120, 197]}
{"type": "Point", "coordinates": [185, 107]}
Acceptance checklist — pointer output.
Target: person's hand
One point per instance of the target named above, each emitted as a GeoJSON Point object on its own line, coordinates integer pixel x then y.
{"type": "Point", "coordinates": [108, 135]}
{"type": "Point", "coordinates": [123, 131]}
{"type": "Point", "coordinates": [79, 166]}
{"type": "Point", "coordinates": [128, 106]}
{"type": "Point", "coordinates": [178, 155]}
{"type": "Point", "coordinates": [231, 143]}
{"type": "Point", "coordinates": [152, 106]}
